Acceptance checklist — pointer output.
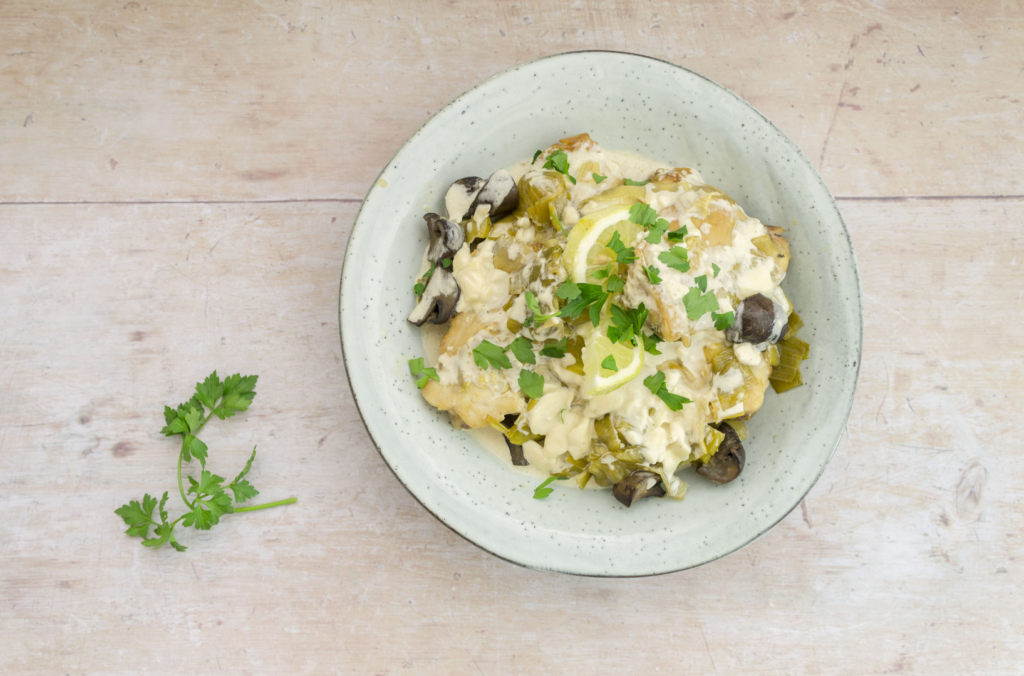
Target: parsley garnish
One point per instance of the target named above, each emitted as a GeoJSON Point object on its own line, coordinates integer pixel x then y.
{"type": "Point", "coordinates": [522, 348]}
{"type": "Point", "coordinates": [656, 384]}
{"type": "Point", "coordinates": [556, 350]}
{"type": "Point", "coordinates": [531, 383]}
{"type": "Point", "coordinates": [211, 500]}
{"type": "Point", "coordinates": [697, 305]}
{"type": "Point", "coordinates": [630, 181]}
{"type": "Point", "coordinates": [651, 343]}
{"type": "Point", "coordinates": [558, 223]}
{"type": "Point", "coordinates": [534, 308]}
{"type": "Point", "coordinates": [543, 491]}
{"type": "Point", "coordinates": [446, 262]}
{"type": "Point", "coordinates": [657, 229]}
{"type": "Point", "coordinates": [601, 274]}
{"type": "Point", "coordinates": [536, 155]}
{"type": "Point", "coordinates": [615, 284]}
{"type": "Point", "coordinates": [559, 161]}
{"type": "Point", "coordinates": [653, 274]}
{"type": "Point", "coordinates": [623, 254]}
{"type": "Point", "coordinates": [724, 320]}
{"type": "Point", "coordinates": [598, 177]}
{"type": "Point", "coordinates": [567, 290]}
{"type": "Point", "coordinates": [609, 364]}
{"type": "Point", "coordinates": [488, 353]}
{"type": "Point", "coordinates": [716, 270]}
{"type": "Point", "coordinates": [626, 324]}
{"type": "Point", "coordinates": [677, 235]}
{"type": "Point", "coordinates": [702, 282]}
{"type": "Point", "coordinates": [422, 374]}
{"type": "Point", "coordinates": [676, 258]}
{"type": "Point", "coordinates": [591, 297]}
{"type": "Point", "coordinates": [642, 214]}
{"type": "Point", "coordinates": [421, 286]}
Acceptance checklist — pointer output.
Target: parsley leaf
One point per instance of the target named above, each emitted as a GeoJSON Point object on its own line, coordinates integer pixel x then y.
{"type": "Point", "coordinates": [643, 214]}
{"type": "Point", "coordinates": [601, 274]}
{"type": "Point", "coordinates": [531, 383]}
{"type": "Point", "coordinates": [626, 324]}
{"type": "Point", "coordinates": [420, 287]}
{"type": "Point", "coordinates": [609, 364]}
{"type": "Point", "coordinates": [702, 282]}
{"type": "Point", "coordinates": [535, 156]}
{"type": "Point", "coordinates": [568, 290]}
{"type": "Point", "coordinates": [716, 270]}
{"type": "Point", "coordinates": [559, 161]}
{"type": "Point", "coordinates": [422, 374]}
{"type": "Point", "coordinates": [522, 348]}
{"type": "Point", "coordinates": [677, 236]}
{"type": "Point", "coordinates": [623, 254]}
{"type": "Point", "coordinates": [591, 298]}
{"type": "Point", "coordinates": [676, 258]}
{"type": "Point", "coordinates": [543, 491]}
{"type": "Point", "coordinates": [653, 274]}
{"type": "Point", "coordinates": [556, 350]}
{"type": "Point", "coordinates": [211, 499]}
{"type": "Point", "coordinates": [656, 384]}
{"type": "Point", "coordinates": [615, 284]}
{"type": "Point", "coordinates": [697, 305]}
{"type": "Point", "coordinates": [598, 177]}
{"type": "Point", "coordinates": [488, 353]}
{"type": "Point", "coordinates": [630, 181]}
{"type": "Point", "coordinates": [651, 343]}
{"type": "Point", "coordinates": [657, 229]}
{"type": "Point", "coordinates": [446, 263]}
{"type": "Point", "coordinates": [724, 320]}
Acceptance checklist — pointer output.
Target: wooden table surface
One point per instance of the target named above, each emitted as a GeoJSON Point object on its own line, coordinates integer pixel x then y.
{"type": "Point", "coordinates": [178, 183]}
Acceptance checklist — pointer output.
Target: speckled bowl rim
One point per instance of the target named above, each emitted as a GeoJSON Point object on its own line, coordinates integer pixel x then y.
{"type": "Point", "coordinates": [854, 269]}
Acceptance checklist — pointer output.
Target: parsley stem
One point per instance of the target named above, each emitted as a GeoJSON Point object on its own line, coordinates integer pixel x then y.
{"type": "Point", "coordinates": [267, 505]}
{"type": "Point", "coordinates": [181, 485]}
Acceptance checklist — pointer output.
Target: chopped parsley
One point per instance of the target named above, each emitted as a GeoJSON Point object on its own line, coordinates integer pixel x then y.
{"type": "Point", "coordinates": [656, 384]}
{"type": "Point", "coordinates": [630, 181]}
{"type": "Point", "coordinates": [556, 350]}
{"type": "Point", "coordinates": [535, 156]}
{"type": "Point", "coordinates": [716, 270]}
{"type": "Point", "coordinates": [522, 348]}
{"type": "Point", "coordinates": [531, 383]}
{"type": "Point", "coordinates": [697, 304]}
{"type": "Point", "coordinates": [702, 282]}
{"type": "Point", "coordinates": [422, 374]}
{"type": "Point", "coordinates": [615, 284]}
{"type": "Point", "coordinates": [421, 286]}
{"type": "Point", "coordinates": [598, 177]}
{"type": "Point", "coordinates": [643, 214]}
{"type": "Point", "coordinates": [609, 364]}
{"type": "Point", "coordinates": [559, 161]}
{"type": "Point", "coordinates": [568, 290]}
{"type": "Point", "coordinates": [488, 353]}
{"type": "Point", "coordinates": [601, 274]}
{"type": "Point", "coordinates": [657, 229]}
{"type": "Point", "coordinates": [623, 254]}
{"type": "Point", "coordinates": [677, 258]}
{"type": "Point", "coordinates": [677, 235]}
{"type": "Point", "coordinates": [627, 324]}
{"type": "Point", "coordinates": [723, 320]}
{"type": "Point", "coordinates": [651, 343]}
{"type": "Point", "coordinates": [653, 274]}
{"type": "Point", "coordinates": [446, 262]}
{"type": "Point", "coordinates": [543, 491]}
{"type": "Point", "coordinates": [591, 298]}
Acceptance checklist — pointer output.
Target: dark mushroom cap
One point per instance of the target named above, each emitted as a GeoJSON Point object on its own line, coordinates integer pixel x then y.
{"type": "Point", "coordinates": [446, 238]}
{"type": "Point", "coordinates": [727, 463]}
{"type": "Point", "coordinates": [638, 485]}
{"type": "Point", "coordinates": [756, 321]}
{"type": "Point", "coordinates": [500, 193]}
{"type": "Point", "coordinates": [516, 452]}
{"type": "Point", "coordinates": [439, 299]}
{"type": "Point", "coordinates": [460, 196]}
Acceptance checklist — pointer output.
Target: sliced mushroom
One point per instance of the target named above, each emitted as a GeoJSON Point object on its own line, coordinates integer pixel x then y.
{"type": "Point", "coordinates": [446, 238]}
{"type": "Point", "coordinates": [759, 319]}
{"type": "Point", "coordinates": [727, 463]}
{"type": "Point", "coordinates": [460, 195]}
{"type": "Point", "coordinates": [500, 194]}
{"type": "Point", "coordinates": [638, 485]}
{"type": "Point", "coordinates": [439, 299]}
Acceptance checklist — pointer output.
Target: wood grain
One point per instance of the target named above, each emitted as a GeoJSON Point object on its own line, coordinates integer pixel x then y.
{"type": "Point", "coordinates": [910, 543]}
{"type": "Point", "coordinates": [179, 182]}
{"type": "Point", "coordinates": [128, 101]}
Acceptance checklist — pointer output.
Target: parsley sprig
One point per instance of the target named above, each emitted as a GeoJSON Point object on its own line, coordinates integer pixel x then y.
{"type": "Point", "coordinates": [222, 399]}
{"type": "Point", "coordinates": [543, 491]}
{"type": "Point", "coordinates": [698, 304]}
{"type": "Point", "coordinates": [559, 161]}
{"type": "Point", "coordinates": [422, 373]}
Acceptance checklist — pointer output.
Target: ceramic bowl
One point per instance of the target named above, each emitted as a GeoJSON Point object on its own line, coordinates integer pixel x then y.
{"type": "Point", "coordinates": [657, 109]}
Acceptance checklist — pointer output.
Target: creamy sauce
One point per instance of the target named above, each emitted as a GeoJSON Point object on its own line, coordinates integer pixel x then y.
{"type": "Point", "coordinates": [729, 269]}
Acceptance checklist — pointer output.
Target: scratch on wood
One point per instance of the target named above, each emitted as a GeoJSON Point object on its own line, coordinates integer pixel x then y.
{"type": "Point", "coordinates": [807, 517]}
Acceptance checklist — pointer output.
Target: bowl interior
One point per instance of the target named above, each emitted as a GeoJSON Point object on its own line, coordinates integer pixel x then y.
{"type": "Point", "coordinates": [632, 103]}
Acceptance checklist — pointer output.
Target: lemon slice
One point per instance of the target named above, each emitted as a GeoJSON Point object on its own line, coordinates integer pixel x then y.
{"type": "Point", "coordinates": [587, 250]}
{"type": "Point", "coordinates": [598, 380]}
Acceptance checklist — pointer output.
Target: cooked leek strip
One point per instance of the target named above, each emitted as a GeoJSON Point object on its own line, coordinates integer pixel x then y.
{"type": "Point", "coordinates": [712, 440]}
{"type": "Point", "coordinates": [478, 229]}
{"type": "Point", "coordinates": [739, 427]}
{"type": "Point", "coordinates": [780, 386]}
{"type": "Point", "coordinates": [795, 323]}
{"type": "Point", "coordinates": [605, 431]}
{"type": "Point", "coordinates": [786, 375]}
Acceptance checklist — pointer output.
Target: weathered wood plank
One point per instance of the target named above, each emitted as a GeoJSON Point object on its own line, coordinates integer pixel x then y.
{"type": "Point", "coordinates": [910, 545]}
{"type": "Point", "coordinates": [130, 101]}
